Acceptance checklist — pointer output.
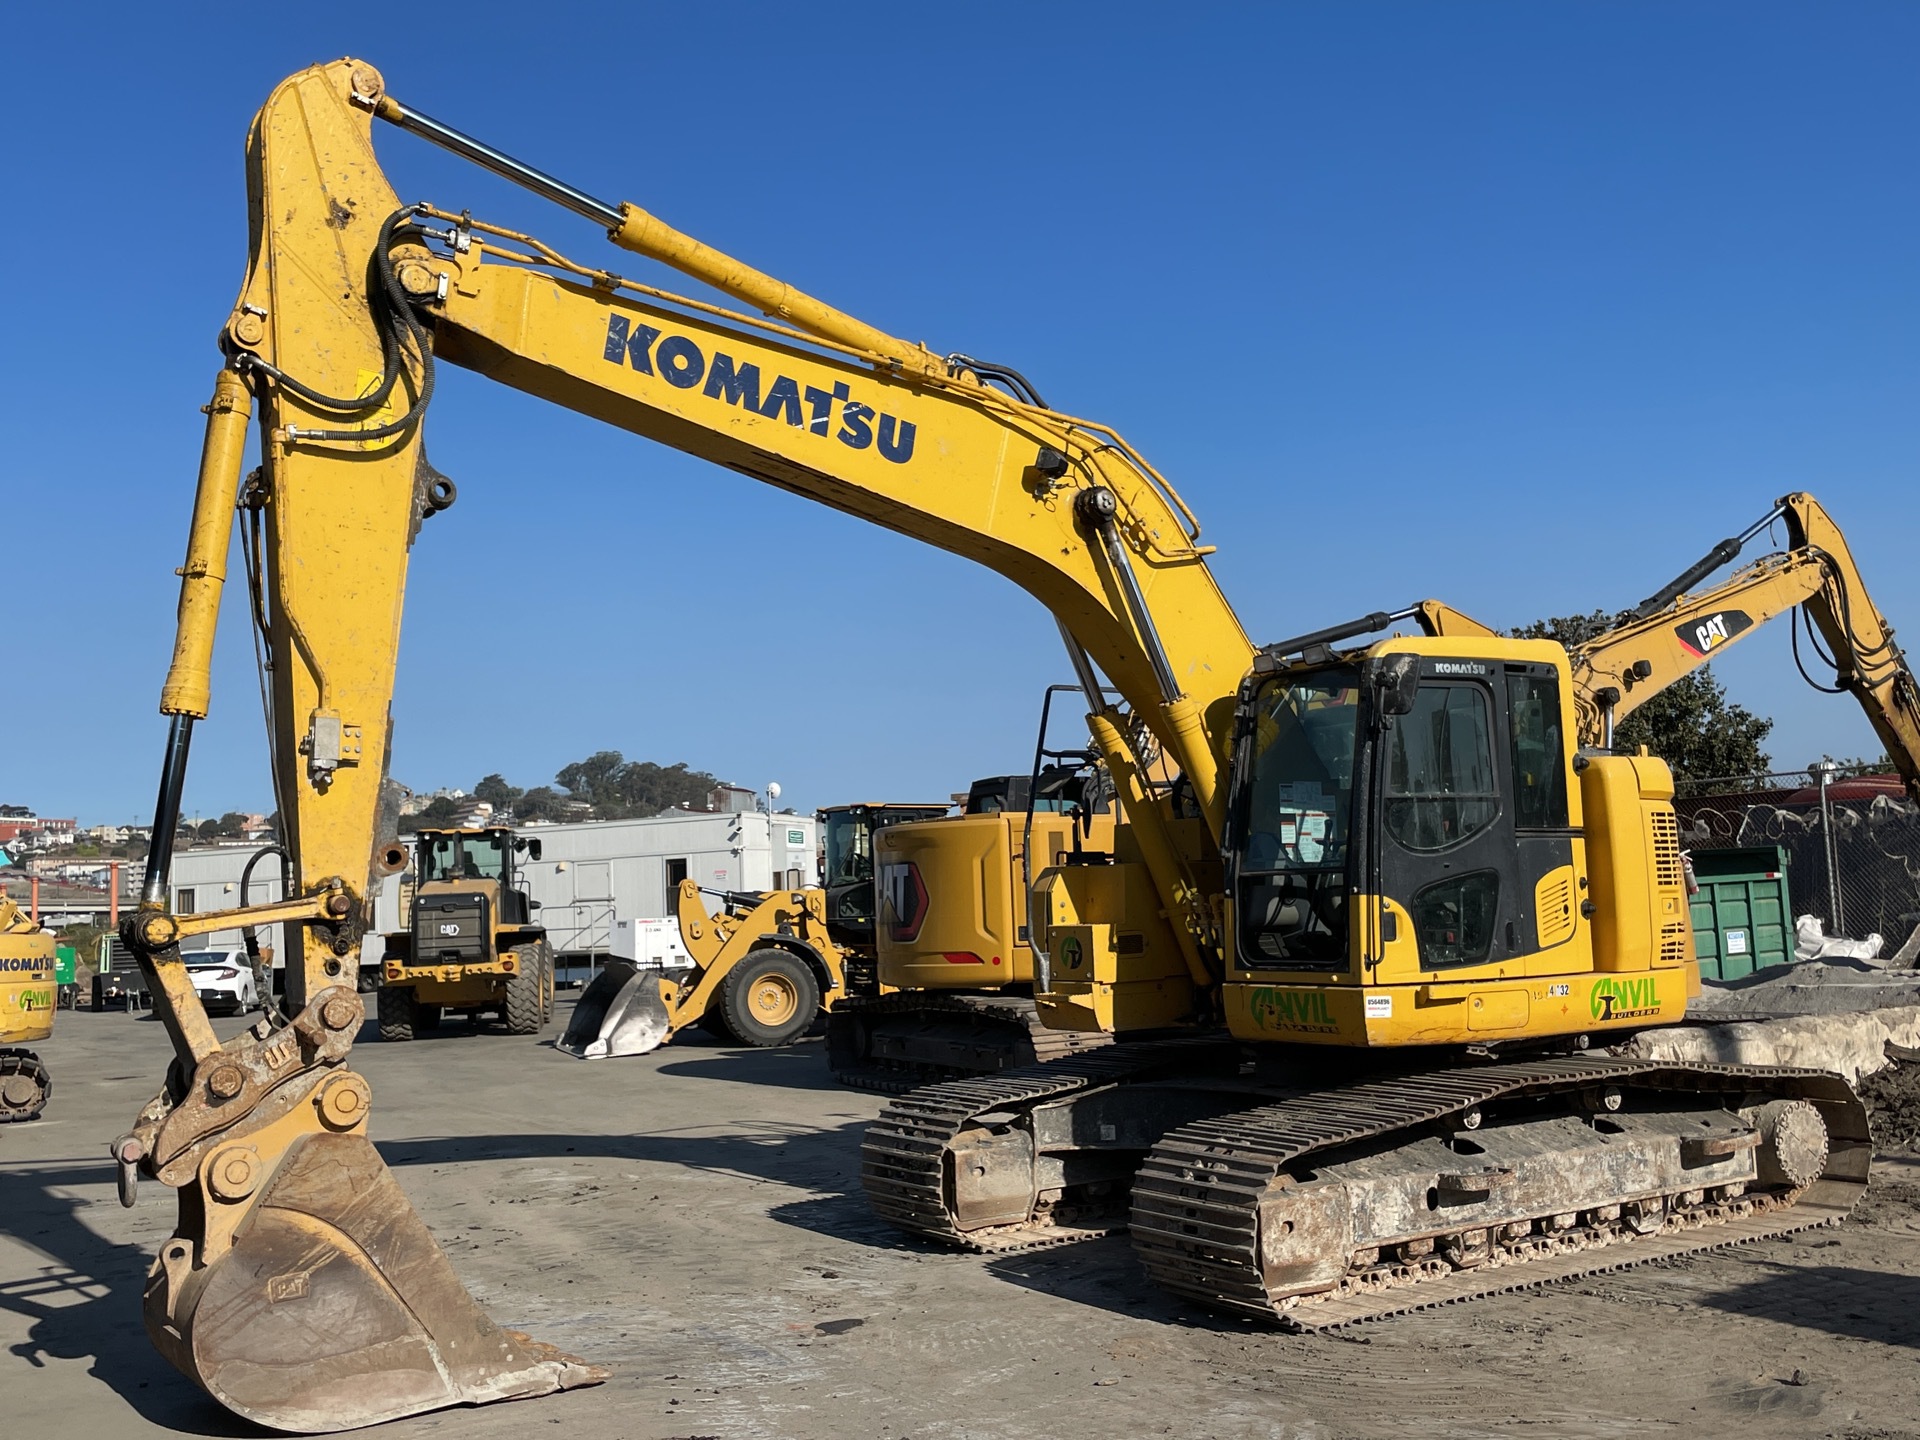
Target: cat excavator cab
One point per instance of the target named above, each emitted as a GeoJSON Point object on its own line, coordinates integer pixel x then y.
{"type": "Point", "coordinates": [953, 973]}
{"type": "Point", "coordinates": [1367, 957]}
{"type": "Point", "coordinates": [849, 834]}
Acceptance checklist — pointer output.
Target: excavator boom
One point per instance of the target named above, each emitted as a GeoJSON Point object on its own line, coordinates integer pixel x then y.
{"type": "Point", "coordinates": [1677, 630]}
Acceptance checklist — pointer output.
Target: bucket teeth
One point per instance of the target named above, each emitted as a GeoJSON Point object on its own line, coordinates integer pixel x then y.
{"type": "Point", "coordinates": [335, 1308]}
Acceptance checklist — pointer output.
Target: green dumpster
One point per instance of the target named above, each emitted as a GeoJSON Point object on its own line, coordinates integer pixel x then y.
{"type": "Point", "coordinates": [1741, 919]}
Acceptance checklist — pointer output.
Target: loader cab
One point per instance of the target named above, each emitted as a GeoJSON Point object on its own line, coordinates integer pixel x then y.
{"type": "Point", "coordinates": [847, 874]}
{"type": "Point", "coordinates": [474, 872]}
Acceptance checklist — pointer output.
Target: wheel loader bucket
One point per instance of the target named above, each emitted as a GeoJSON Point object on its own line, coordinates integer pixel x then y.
{"type": "Point", "coordinates": [620, 1012]}
{"type": "Point", "coordinates": [333, 1307]}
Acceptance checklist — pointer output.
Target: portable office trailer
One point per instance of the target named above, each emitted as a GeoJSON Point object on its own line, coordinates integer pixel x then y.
{"type": "Point", "coordinates": [590, 873]}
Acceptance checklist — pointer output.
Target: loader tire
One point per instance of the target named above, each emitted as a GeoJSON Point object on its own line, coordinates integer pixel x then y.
{"type": "Point", "coordinates": [546, 982]}
{"type": "Point", "coordinates": [771, 998]}
{"type": "Point", "coordinates": [524, 1011]}
{"type": "Point", "coordinates": [714, 1022]}
{"type": "Point", "coordinates": [399, 1012]}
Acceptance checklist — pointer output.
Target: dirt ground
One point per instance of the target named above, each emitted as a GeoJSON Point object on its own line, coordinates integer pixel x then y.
{"type": "Point", "coordinates": [692, 1219]}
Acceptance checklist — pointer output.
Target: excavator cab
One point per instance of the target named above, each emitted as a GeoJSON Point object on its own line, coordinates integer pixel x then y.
{"type": "Point", "coordinates": [1464, 764]}
{"type": "Point", "coordinates": [1418, 853]}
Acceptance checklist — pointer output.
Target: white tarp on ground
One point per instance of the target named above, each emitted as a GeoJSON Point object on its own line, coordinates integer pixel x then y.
{"type": "Point", "coordinates": [1811, 942]}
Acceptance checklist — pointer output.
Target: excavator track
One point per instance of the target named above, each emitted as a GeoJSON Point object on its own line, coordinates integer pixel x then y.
{"type": "Point", "coordinates": [902, 1159]}
{"type": "Point", "coordinates": [1196, 1214]}
{"type": "Point", "coordinates": [927, 1036]}
{"type": "Point", "coordinates": [25, 1085]}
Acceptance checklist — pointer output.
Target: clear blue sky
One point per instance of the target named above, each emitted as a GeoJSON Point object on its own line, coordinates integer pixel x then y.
{"type": "Point", "coordinates": [1519, 305]}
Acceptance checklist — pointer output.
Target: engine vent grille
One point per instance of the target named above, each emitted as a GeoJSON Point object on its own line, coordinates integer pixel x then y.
{"type": "Point", "coordinates": [1673, 943]}
{"type": "Point", "coordinates": [1666, 849]}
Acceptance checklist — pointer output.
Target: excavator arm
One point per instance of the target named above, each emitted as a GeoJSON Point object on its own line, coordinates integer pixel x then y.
{"type": "Point", "coordinates": [351, 299]}
{"type": "Point", "coordinates": [1673, 632]}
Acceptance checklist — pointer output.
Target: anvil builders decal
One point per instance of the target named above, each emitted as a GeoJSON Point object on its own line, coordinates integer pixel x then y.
{"type": "Point", "coordinates": [1703, 637]}
{"type": "Point", "coordinates": [1296, 1010]}
{"type": "Point", "coordinates": [1613, 999]}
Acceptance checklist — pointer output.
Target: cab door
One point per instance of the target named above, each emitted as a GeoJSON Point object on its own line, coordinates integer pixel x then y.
{"type": "Point", "coordinates": [1453, 793]}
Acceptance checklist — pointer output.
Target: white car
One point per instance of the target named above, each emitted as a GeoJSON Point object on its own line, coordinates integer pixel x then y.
{"type": "Point", "coordinates": [223, 979]}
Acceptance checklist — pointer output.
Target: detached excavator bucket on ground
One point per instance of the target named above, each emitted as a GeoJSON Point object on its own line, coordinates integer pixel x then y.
{"type": "Point", "coordinates": [621, 1012]}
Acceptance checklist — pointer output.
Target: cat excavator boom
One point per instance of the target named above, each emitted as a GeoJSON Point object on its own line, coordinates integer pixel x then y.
{"type": "Point", "coordinates": [1812, 579]}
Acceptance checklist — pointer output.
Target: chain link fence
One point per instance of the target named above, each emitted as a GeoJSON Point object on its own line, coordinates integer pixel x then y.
{"type": "Point", "coordinates": [1852, 843]}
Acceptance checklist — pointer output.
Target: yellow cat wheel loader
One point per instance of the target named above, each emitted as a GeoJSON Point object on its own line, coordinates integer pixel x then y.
{"type": "Point", "coordinates": [761, 969]}
{"type": "Point", "coordinates": [1367, 960]}
{"type": "Point", "coordinates": [26, 1012]}
{"type": "Point", "coordinates": [471, 945]}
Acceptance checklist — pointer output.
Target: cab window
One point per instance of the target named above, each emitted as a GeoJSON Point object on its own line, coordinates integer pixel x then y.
{"type": "Point", "coordinates": [1539, 768]}
{"type": "Point", "coordinates": [1296, 821]}
{"type": "Point", "coordinates": [463, 857]}
{"type": "Point", "coordinates": [1439, 783]}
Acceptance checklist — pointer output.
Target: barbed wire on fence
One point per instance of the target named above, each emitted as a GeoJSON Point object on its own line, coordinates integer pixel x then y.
{"type": "Point", "coordinates": [1851, 852]}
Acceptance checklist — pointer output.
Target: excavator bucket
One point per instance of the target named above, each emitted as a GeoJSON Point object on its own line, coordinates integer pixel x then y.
{"type": "Point", "coordinates": [620, 1013]}
{"type": "Point", "coordinates": [322, 1302]}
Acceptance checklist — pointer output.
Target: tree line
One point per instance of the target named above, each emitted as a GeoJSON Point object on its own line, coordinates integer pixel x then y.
{"type": "Point", "coordinates": [604, 786]}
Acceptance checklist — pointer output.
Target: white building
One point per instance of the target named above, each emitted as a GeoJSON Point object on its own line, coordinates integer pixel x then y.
{"type": "Point", "coordinates": [587, 875]}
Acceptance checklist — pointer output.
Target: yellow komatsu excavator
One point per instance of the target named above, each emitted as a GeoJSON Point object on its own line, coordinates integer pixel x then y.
{"type": "Point", "coordinates": [26, 1012]}
{"type": "Point", "coordinates": [1359, 957]}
